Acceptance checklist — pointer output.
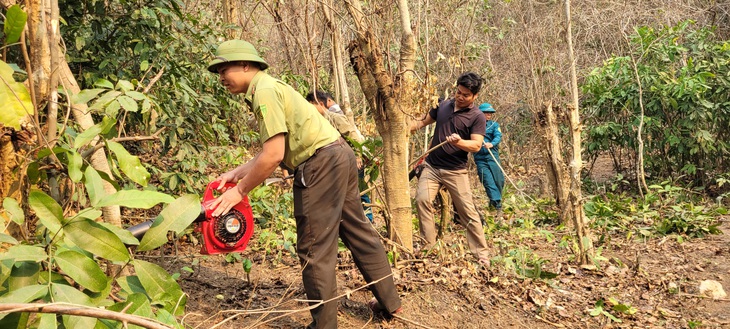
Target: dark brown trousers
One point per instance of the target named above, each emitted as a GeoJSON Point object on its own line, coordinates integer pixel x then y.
{"type": "Point", "coordinates": [327, 206]}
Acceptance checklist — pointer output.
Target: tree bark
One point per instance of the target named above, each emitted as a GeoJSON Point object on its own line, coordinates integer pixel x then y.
{"type": "Point", "coordinates": [80, 310]}
{"type": "Point", "coordinates": [341, 89]}
{"type": "Point", "coordinates": [41, 60]}
{"type": "Point", "coordinates": [390, 118]}
{"type": "Point", "coordinates": [112, 214]}
{"type": "Point", "coordinates": [555, 165]}
{"type": "Point", "coordinates": [580, 221]}
{"type": "Point", "coordinates": [232, 15]}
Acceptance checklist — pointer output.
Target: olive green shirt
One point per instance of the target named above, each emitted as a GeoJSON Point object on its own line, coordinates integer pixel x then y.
{"type": "Point", "coordinates": [281, 109]}
{"type": "Point", "coordinates": [343, 125]}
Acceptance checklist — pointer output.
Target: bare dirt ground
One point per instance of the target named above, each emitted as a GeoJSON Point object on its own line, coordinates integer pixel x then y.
{"type": "Point", "coordinates": [448, 290]}
{"type": "Point", "coordinates": [654, 280]}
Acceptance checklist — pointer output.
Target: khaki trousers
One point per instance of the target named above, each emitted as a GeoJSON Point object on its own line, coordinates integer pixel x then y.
{"type": "Point", "coordinates": [327, 206]}
{"type": "Point", "coordinates": [457, 183]}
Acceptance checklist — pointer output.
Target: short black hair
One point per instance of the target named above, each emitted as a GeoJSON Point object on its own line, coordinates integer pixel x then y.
{"type": "Point", "coordinates": [319, 96]}
{"type": "Point", "coordinates": [255, 64]}
{"type": "Point", "coordinates": [471, 81]}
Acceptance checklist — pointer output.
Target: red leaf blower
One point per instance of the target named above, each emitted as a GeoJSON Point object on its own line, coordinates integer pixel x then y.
{"type": "Point", "coordinates": [223, 234]}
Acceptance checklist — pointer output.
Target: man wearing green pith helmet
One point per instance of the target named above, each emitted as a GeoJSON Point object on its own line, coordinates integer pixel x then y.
{"type": "Point", "coordinates": [326, 197]}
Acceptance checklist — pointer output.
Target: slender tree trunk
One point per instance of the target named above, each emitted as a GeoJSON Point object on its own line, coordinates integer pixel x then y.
{"type": "Point", "coordinates": [41, 58]}
{"type": "Point", "coordinates": [580, 221]}
{"type": "Point", "coordinates": [55, 38]}
{"type": "Point", "coordinates": [640, 174]}
{"type": "Point", "coordinates": [389, 113]}
{"type": "Point", "coordinates": [555, 165]}
{"type": "Point", "coordinates": [232, 15]}
{"type": "Point", "coordinates": [99, 161]}
{"type": "Point", "coordinates": [341, 88]}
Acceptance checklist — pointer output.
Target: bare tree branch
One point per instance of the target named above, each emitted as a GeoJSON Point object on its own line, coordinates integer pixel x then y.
{"type": "Point", "coordinates": [81, 310]}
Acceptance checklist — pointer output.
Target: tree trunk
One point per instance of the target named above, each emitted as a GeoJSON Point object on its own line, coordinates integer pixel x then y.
{"type": "Point", "coordinates": [41, 59]}
{"type": "Point", "coordinates": [12, 177]}
{"type": "Point", "coordinates": [555, 166]}
{"type": "Point", "coordinates": [389, 113]}
{"type": "Point", "coordinates": [232, 15]}
{"type": "Point", "coordinates": [342, 93]}
{"type": "Point", "coordinates": [112, 214]}
{"type": "Point", "coordinates": [580, 221]}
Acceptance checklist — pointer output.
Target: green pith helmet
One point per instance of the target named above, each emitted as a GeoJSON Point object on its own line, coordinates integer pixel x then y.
{"type": "Point", "coordinates": [486, 108]}
{"type": "Point", "coordinates": [236, 50]}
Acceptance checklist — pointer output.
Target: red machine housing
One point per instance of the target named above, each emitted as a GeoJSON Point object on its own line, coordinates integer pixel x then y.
{"type": "Point", "coordinates": [226, 233]}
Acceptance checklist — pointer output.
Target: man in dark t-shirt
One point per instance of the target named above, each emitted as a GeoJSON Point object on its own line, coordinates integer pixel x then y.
{"type": "Point", "coordinates": [460, 123]}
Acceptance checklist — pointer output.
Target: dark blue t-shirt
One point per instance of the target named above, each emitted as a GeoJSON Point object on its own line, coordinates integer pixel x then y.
{"type": "Point", "coordinates": [465, 122]}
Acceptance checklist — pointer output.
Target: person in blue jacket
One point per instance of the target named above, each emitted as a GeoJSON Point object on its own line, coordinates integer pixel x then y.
{"type": "Point", "coordinates": [487, 161]}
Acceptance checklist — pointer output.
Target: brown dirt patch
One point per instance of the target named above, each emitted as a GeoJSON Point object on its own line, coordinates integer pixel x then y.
{"type": "Point", "coordinates": [448, 290]}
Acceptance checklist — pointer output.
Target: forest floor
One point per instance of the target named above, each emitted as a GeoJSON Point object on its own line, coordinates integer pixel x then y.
{"type": "Point", "coordinates": [656, 280]}
{"type": "Point", "coordinates": [533, 282]}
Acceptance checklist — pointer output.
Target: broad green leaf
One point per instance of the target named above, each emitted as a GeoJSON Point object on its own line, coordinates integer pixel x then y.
{"type": "Point", "coordinates": [47, 210]}
{"type": "Point", "coordinates": [104, 83]}
{"type": "Point", "coordinates": [4, 238]}
{"type": "Point", "coordinates": [15, 320]}
{"type": "Point", "coordinates": [128, 103]}
{"type": "Point", "coordinates": [15, 100]}
{"type": "Point", "coordinates": [48, 321]}
{"type": "Point", "coordinates": [23, 274]}
{"type": "Point", "coordinates": [135, 199]}
{"type": "Point", "coordinates": [5, 268]}
{"type": "Point", "coordinates": [87, 136]}
{"type": "Point", "coordinates": [158, 284]}
{"type": "Point", "coordinates": [146, 105]}
{"type": "Point", "coordinates": [101, 298]}
{"type": "Point", "coordinates": [105, 99]}
{"type": "Point", "coordinates": [136, 95]}
{"type": "Point", "coordinates": [74, 167]}
{"type": "Point", "coordinates": [15, 19]}
{"type": "Point", "coordinates": [67, 294]}
{"type": "Point", "coordinates": [94, 186]}
{"type": "Point", "coordinates": [86, 95]}
{"type": "Point", "coordinates": [44, 152]}
{"type": "Point", "coordinates": [107, 123]}
{"type": "Point", "coordinates": [13, 210]}
{"type": "Point", "coordinates": [130, 164]}
{"type": "Point", "coordinates": [125, 85]}
{"type": "Point", "coordinates": [137, 304]}
{"type": "Point", "coordinates": [176, 217]}
{"type": "Point", "coordinates": [112, 109]}
{"type": "Point", "coordinates": [88, 213]}
{"type": "Point", "coordinates": [131, 285]}
{"type": "Point", "coordinates": [167, 318]}
{"type": "Point", "coordinates": [47, 277]}
{"type": "Point", "coordinates": [25, 294]}
{"type": "Point", "coordinates": [125, 236]}
{"type": "Point", "coordinates": [24, 253]}
{"type": "Point", "coordinates": [96, 239]}
{"type": "Point", "coordinates": [84, 270]}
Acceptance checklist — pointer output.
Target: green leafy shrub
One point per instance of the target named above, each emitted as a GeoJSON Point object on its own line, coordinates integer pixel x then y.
{"type": "Point", "coordinates": [685, 78]}
{"type": "Point", "coordinates": [65, 260]}
{"type": "Point", "coordinates": [133, 41]}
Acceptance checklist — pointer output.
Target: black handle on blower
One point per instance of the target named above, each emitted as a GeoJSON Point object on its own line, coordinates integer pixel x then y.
{"type": "Point", "coordinates": [140, 229]}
